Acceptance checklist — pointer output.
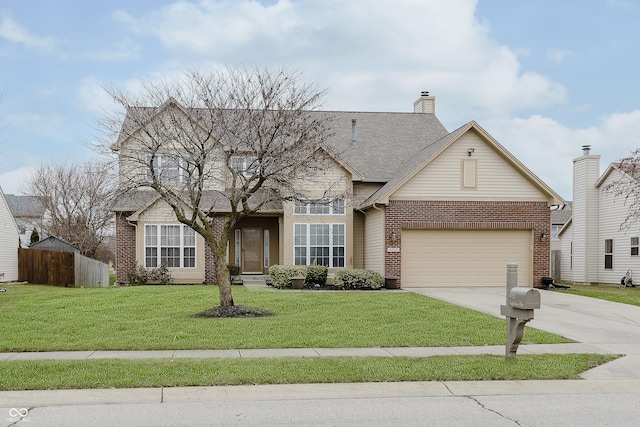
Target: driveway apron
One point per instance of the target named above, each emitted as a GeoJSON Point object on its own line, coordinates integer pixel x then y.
{"type": "Point", "coordinates": [604, 325]}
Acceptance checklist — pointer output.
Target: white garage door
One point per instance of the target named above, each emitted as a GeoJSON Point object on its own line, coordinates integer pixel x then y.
{"type": "Point", "coordinates": [464, 257]}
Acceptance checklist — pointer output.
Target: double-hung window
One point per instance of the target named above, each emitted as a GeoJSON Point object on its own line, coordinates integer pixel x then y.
{"type": "Point", "coordinates": [608, 254]}
{"type": "Point", "coordinates": [172, 245]}
{"type": "Point", "coordinates": [248, 166]}
{"type": "Point", "coordinates": [635, 246]}
{"type": "Point", "coordinates": [320, 244]}
{"type": "Point", "coordinates": [168, 168]}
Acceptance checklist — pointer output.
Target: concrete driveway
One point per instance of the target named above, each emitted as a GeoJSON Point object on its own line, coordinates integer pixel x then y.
{"type": "Point", "coordinates": [606, 326]}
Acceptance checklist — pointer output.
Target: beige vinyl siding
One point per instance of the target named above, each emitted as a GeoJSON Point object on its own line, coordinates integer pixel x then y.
{"type": "Point", "coordinates": [9, 238]}
{"type": "Point", "coordinates": [495, 179]}
{"type": "Point", "coordinates": [374, 241]}
{"type": "Point", "coordinates": [132, 164]}
{"type": "Point", "coordinates": [330, 179]}
{"type": "Point", "coordinates": [358, 240]}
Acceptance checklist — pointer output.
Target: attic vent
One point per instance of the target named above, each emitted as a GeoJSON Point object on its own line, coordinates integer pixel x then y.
{"type": "Point", "coordinates": [354, 137]}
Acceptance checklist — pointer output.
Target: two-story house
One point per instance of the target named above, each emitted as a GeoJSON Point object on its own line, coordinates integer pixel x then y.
{"type": "Point", "coordinates": [596, 248]}
{"type": "Point", "coordinates": [432, 207]}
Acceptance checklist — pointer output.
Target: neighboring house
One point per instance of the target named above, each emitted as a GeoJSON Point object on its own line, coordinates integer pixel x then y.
{"type": "Point", "coordinates": [53, 243]}
{"type": "Point", "coordinates": [594, 247]}
{"type": "Point", "coordinates": [28, 212]}
{"type": "Point", "coordinates": [559, 218]}
{"type": "Point", "coordinates": [432, 207]}
{"type": "Point", "coordinates": [9, 242]}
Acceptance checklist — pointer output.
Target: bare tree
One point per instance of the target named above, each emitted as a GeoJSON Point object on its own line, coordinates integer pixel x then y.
{"type": "Point", "coordinates": [627, 187]}
{"type": "Point", "coordinates": [76, 199]}
{"type": "Point", "coordinates": [222, 146]}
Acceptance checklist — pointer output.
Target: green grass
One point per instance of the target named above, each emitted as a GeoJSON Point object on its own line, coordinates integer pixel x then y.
{"type": "Point", "coordinates": [607, 292]}
{"type": "Point", "coordinates": [42, 318]}
{"type": "Point", "coordinates": [31, 375]}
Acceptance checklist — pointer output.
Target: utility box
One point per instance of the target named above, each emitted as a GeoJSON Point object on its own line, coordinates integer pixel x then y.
{"type": "Point", "coordinates": [524, 298]}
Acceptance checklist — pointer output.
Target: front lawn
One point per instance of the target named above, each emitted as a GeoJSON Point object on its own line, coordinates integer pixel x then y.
{"type": "Point", "coordinates": [607, 292]}
{"type": "Point", "coordinates": [75, 374]}
{"type": "Point", "coordinates": [42, 318]}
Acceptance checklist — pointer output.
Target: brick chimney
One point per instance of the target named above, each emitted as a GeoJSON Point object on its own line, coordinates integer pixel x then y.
{"type": "Point", "coordinates": [425, 104]}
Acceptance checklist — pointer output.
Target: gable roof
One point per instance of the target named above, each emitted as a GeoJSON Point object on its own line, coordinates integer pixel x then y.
{"type": "Point", "coordinates": [384, 140]}
{"type": "Point", "coordinates": [54, 243]}
{"type": "Point", "coordinates": [25, 206]}
{"type": "Point", "coordinates": [432, 151]}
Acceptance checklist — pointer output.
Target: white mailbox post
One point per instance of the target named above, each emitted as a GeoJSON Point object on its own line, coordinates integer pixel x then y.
{"type": "Point", "coordinates": [521, 301]}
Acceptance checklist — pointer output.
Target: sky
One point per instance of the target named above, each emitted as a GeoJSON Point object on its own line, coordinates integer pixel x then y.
{"type": "Point", "coordinates": [543, 77]}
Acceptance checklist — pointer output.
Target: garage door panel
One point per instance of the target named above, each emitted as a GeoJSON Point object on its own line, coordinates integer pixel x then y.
{"type": "Point", "coordinates": [464, 257]}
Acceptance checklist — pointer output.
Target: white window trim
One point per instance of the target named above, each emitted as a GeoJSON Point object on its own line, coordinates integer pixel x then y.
{"type": "Point", "coordinates": [305, 207]}
{"type": "Point", "coordinates": [162, 163]}
{"type": "Point", "coordinates": [159, 246]}
{"type": "Point", "coordinates": [307, 245]}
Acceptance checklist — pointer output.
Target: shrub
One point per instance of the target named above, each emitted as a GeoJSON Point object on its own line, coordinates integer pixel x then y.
{"type": "Point", "coordinates": [142, 276]}
{"type": "Point", "coordinates": [316, 275]}
{"type": "Point", "coordinates": [281, 274]}
{"type": "Point", "coordinates": [358, 279]}
{"type": "Point", "coordinates": [234, 274]}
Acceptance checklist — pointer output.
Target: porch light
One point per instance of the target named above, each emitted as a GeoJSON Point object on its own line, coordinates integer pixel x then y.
{"type": "Point", "coordinates": [394, 236]}
{"type": "Point", "coordinates": [543, 237]}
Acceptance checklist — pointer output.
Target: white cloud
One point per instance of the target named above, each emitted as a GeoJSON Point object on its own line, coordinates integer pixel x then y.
{"type": "Point", "coordinates": [548, 147]}
{"type": "Point", "coordinates": [13, 32]}
{"type": "Point", "coordinates": [93, 97]}
{"type": "Point", "coordinates": [122, 50]}
{"type": "Point", "coordinates": [559, 55]}
{"type": "Point", "coordinates": [371, 55]}
{"type": "Point", "coordinates": [14, 181]}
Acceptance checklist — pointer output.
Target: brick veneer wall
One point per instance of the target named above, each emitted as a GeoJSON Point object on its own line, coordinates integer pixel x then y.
{"type": "Point", "coordinates": [477, 215]}
{"type": "Point", "coordinates": [125, 246]}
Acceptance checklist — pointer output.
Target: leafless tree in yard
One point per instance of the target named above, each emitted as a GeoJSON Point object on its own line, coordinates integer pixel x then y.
{"type": "Point", "coordinates": [76, 199]}
{"type": "Point", "coordinates": [627, 187]}
{"type": "Point", "coordinates": [221, 146]}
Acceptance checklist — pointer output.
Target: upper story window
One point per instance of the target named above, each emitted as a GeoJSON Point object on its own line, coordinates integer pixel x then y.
{"type": "Point", "coordinates": [168, 168]}
{"type": "Point", "coordinates": [248, 166]}
{"type": "Point", "coordinates": [555, 229]}
{"type": "Point", "coordinates": [319, 207]}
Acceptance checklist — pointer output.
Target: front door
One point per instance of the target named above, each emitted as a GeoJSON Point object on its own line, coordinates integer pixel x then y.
{"type": "Point", "coordinates": [252, 250]}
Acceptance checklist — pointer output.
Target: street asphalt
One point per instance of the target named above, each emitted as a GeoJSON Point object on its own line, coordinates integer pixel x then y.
{"type": "Point", "coordinates": [597, 326]}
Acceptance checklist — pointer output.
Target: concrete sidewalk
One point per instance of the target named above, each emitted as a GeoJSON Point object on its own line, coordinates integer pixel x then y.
{"type": "Point", "coordinates": [306, 352]}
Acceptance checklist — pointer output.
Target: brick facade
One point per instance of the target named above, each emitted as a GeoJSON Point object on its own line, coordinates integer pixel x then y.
{"type": "Point", "coordinates": [125, 247]}
{"type": "Point", "coordinates": [471, 215]}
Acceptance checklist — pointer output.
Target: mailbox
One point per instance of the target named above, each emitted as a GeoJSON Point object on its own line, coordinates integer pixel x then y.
{"type": "Point", "coordinates": [524, 298]}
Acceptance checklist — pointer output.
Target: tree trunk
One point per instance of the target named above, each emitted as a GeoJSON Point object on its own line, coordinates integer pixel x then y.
{"type": "Point", "coordinates": [223, 279]}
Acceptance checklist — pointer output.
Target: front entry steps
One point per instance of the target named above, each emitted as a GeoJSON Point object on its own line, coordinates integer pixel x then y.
{"type": "Point", "coordinates": [255, 281]}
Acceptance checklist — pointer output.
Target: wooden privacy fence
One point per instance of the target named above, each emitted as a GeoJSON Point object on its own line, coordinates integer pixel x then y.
{"type": "Point", "coordinates": [61, 269]}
